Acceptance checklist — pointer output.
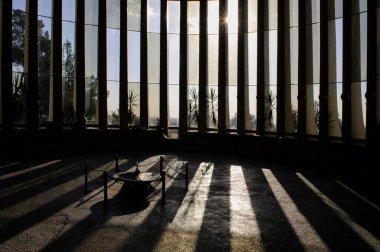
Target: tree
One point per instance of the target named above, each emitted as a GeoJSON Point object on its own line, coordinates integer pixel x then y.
{"type": "Point", "coordinates": [193, 108]}
{"type": "Point", "coordinates": [133, 100]}
{"type": "Point", "coordinates": [91, 93]}
{"type": "Point", "coordinates": [68, 85]}
{"type": "Point", "coordinates": [212, 102]}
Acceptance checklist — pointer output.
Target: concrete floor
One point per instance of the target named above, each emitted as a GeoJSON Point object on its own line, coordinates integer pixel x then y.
{"type": "Point", "coordinates": [232, 204]}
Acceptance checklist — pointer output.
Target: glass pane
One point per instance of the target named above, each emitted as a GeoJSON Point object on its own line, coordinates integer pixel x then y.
{"type": "Point", "coordinates": [232, 108]}
{"type": "Point", "coordinates": [232, 19]}
{"type": "Point", "coordinates": [173, 17]}
{"type": "Point", "coordinates": [113, 13]}
{"type": "Point", "coordinates": [19, 97]}
{"type": "Point", "coordinates": [378, 102]}
{"type": "Point", "coordinates": [193, 13]}
{"type": "Point", "coordinates": [69, 10]}
{"type": "Point", "coordinates": [134, 56]}
{"type": "Point", "coordinates": [173, 59]}
{"type": "Point", "coordinates": [19, 5]}
{"type": "Point", "coordinates": [113, 93]}
{"type": "Point", "coordinates": [68, 49]}
{"type": "Point", "coordinates": [270, 108]}
{"type": "Point", "coordinates": [68, 100]}
{"type": "Point", "coordinates": [291, 108]}
{"type": "Point", "coordinates": [291, 54]}
{"type": "Point", "coordinates": [192, 106]}
{"type": "Point", "coordinates": [212, 64]}
{"type": "Point", "coordinates": [335, 110]}
{"type": "Point", "coordinates": [252, 15]}
{"type": "Point", "coordinates": [45, 8]}
{"type": "Point", "coordinates": [113, 54]}
{"type": "Point", "coordinates": [252, 92]}
{"type": "Point", "coordinates": [293, 13]}
{"type": "Point", "coordinates": [153, 58]}
{"type": "Point", "coordinates": [359, 47]}
{"type": "Point", "coordinates": [335, 50]}
{"type": "Point", "coordinates": [212, 107]}
{"type": "Point", "coordinates": [44, 44]}
{"type": "Point", "coordinates": [359, 6]}
{"type": "Point", "coordinates": [45, 102]}
{"type": "Point", "coordinates": [133, 104]}
{"type": "Point", "coordinates": [358, 109]}
{"type": "Point", "coordinates": [154, 104]}
{"type": "Point", "coordinates": [193, 59]}
{"type": "Point", "coordinates": [272, 14]}
{"type": "Point", "coordinates": [173, 108]}
{"type": "Point", "coordinates": [313, 53]}
{"type": "Point", "coordinates": [252, 58]}
{"type": "Point", "coordinates": [213, 17]}
{"type": "Point", "coordinates": [335, 9]}
{"type": "Point", "coordinates": [91, 51]}
{"type": "Point", "coordinates": [271, 57]}
{"type": "Point", "coordinates": [154, 13]}
{"type": "Point", "coordinates": [312, 109]}
{"type": "Point", "coordinates": [232, 59]}
{"type": "Point", "coordinates": [91, 11]}
{"type": "Point", "coordinates": [134, 15]}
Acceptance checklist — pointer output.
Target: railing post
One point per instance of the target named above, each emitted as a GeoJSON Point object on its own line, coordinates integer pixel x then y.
{"type": "Point", "coordinates": [117, 163]}
{"type": "Point", "coordinates": [105, 189]}
{"type": "Point", "coordinates": [163, 176]}
{"type": "Point", "coordinates": [161, 163]}
{"type": "Point", "coordinates": [86, 177]}
{"type": "Point", "coordinates": [187, 175]}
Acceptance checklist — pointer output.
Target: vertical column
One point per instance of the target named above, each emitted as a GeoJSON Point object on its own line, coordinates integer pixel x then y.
{"type": "Point", "coordinates": [281, 68]}
{"type": "Point", "coordinates": [324, 71]}
{"type": "Point", "coordinates": [31, 64]}
{"type": "Point", "coordinates": [6, 63]}
{"type": "Point", "coordinates": [203, 73]}
{"type": "Point", "coordinates": [144, 66]}
{"type": "Point", "coordinates": [57, 62]}
{"type": "Point", "coordinates": [301, 131]}
{"type": "Point", "coordinates": [242, 29]}
{"type": "Point", "coordinates": [223, 66]}
{"type": "Point", "coordinates": [102, 64]}
{"type": "Point", "coordinates": [183, 70]}
{"type": "Point", "coordinates": [371, 71]}
{"type": "Point", "coordinates": [260, 67]}
{"type": "Point", "coordinates": [79, 67]}
{"type": "Point", "coordinates": [347, 33]}
{"type": "Point", "coordinates": [123, 94]}
{"type": "Point", "coordinates": [164, 69]}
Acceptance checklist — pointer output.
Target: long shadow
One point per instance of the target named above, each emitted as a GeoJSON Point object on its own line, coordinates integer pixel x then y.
{"type": "Point", "coordinates": [275, 230]}
{"type": "Point", "coordinates": [20, 224]}
{"type": "Point", "coordinates": [68, 172]}
{"type": "Point", "coordinates": [332, 230]}
{"type": "Point", "coordinates": [359, 211]}
{"type": "Point", "coordinates": [215, 232]}
{"type": "Point", "coordinates": [144, 237]}
{"type": "Point", "coordinates": [19, 165]}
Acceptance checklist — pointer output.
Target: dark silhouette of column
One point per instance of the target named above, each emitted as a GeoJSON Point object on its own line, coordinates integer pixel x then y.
{"type": "Point", "coordinates": [163, 70]}
{"type": "Point", "coordinates": [144, 67]}
{"type": "Point", "coordinates": [324, 71]}
{"type": "Point", "coordinates": [31, 65]}
{"type": "Point", "coordinates": [260, 67]}
{"type": "Point", "coordinates": [6, 66]}
{"type": "Point", "coordinates": [346, 95]}
{"type": "Point", "coordinates": [281, 68]}
{"type": "Point", "coordinates": [203, 71]}
{"type": "Point", "coordinates": [241, 91]}
{"type": "Point", "coordinates": [223, 66]}
{"type": "Point", "coordinates": [301, 131]}
{"type": "Point", "coordinates": [123, 93]}
{"type": "Point", "coordinates": [183, 70]}
{"type": "Point", "coordinates": [372, 48]}
{"type": "Point", "coordinates": [102, 65]}
{"type": "Point", "coordinates": [80, 66]}
{"type": "Point", "coordinates": [57, 62]}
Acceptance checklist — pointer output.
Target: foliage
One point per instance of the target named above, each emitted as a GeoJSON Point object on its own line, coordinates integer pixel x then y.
{"type": "Point", "coordinates": [68, 84]}
{"type": "Point", "coordinates": [133, 102]}
{"type": "Point", "coordinates": [18, 98]}
{"type": "Point", "coordinates": [193, 108]}
{"type": "Point", "coordinates": [91, 92]}
{"type": "Point", "coordinates": [270, 103]}
{"type": "Point", "coordinates": [212, 103]}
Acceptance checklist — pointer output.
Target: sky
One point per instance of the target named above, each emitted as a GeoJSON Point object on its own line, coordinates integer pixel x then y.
{"type": "Point", "coordinates": [113, 49]}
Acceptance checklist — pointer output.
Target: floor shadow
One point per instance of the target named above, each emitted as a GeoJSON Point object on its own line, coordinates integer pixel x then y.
{"type": "Point", "coordinates": [275, 230]}
{"type": "Point", "coordinates": [331, 229]}
{"type": "Point", "coordinates": [214, 234]}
